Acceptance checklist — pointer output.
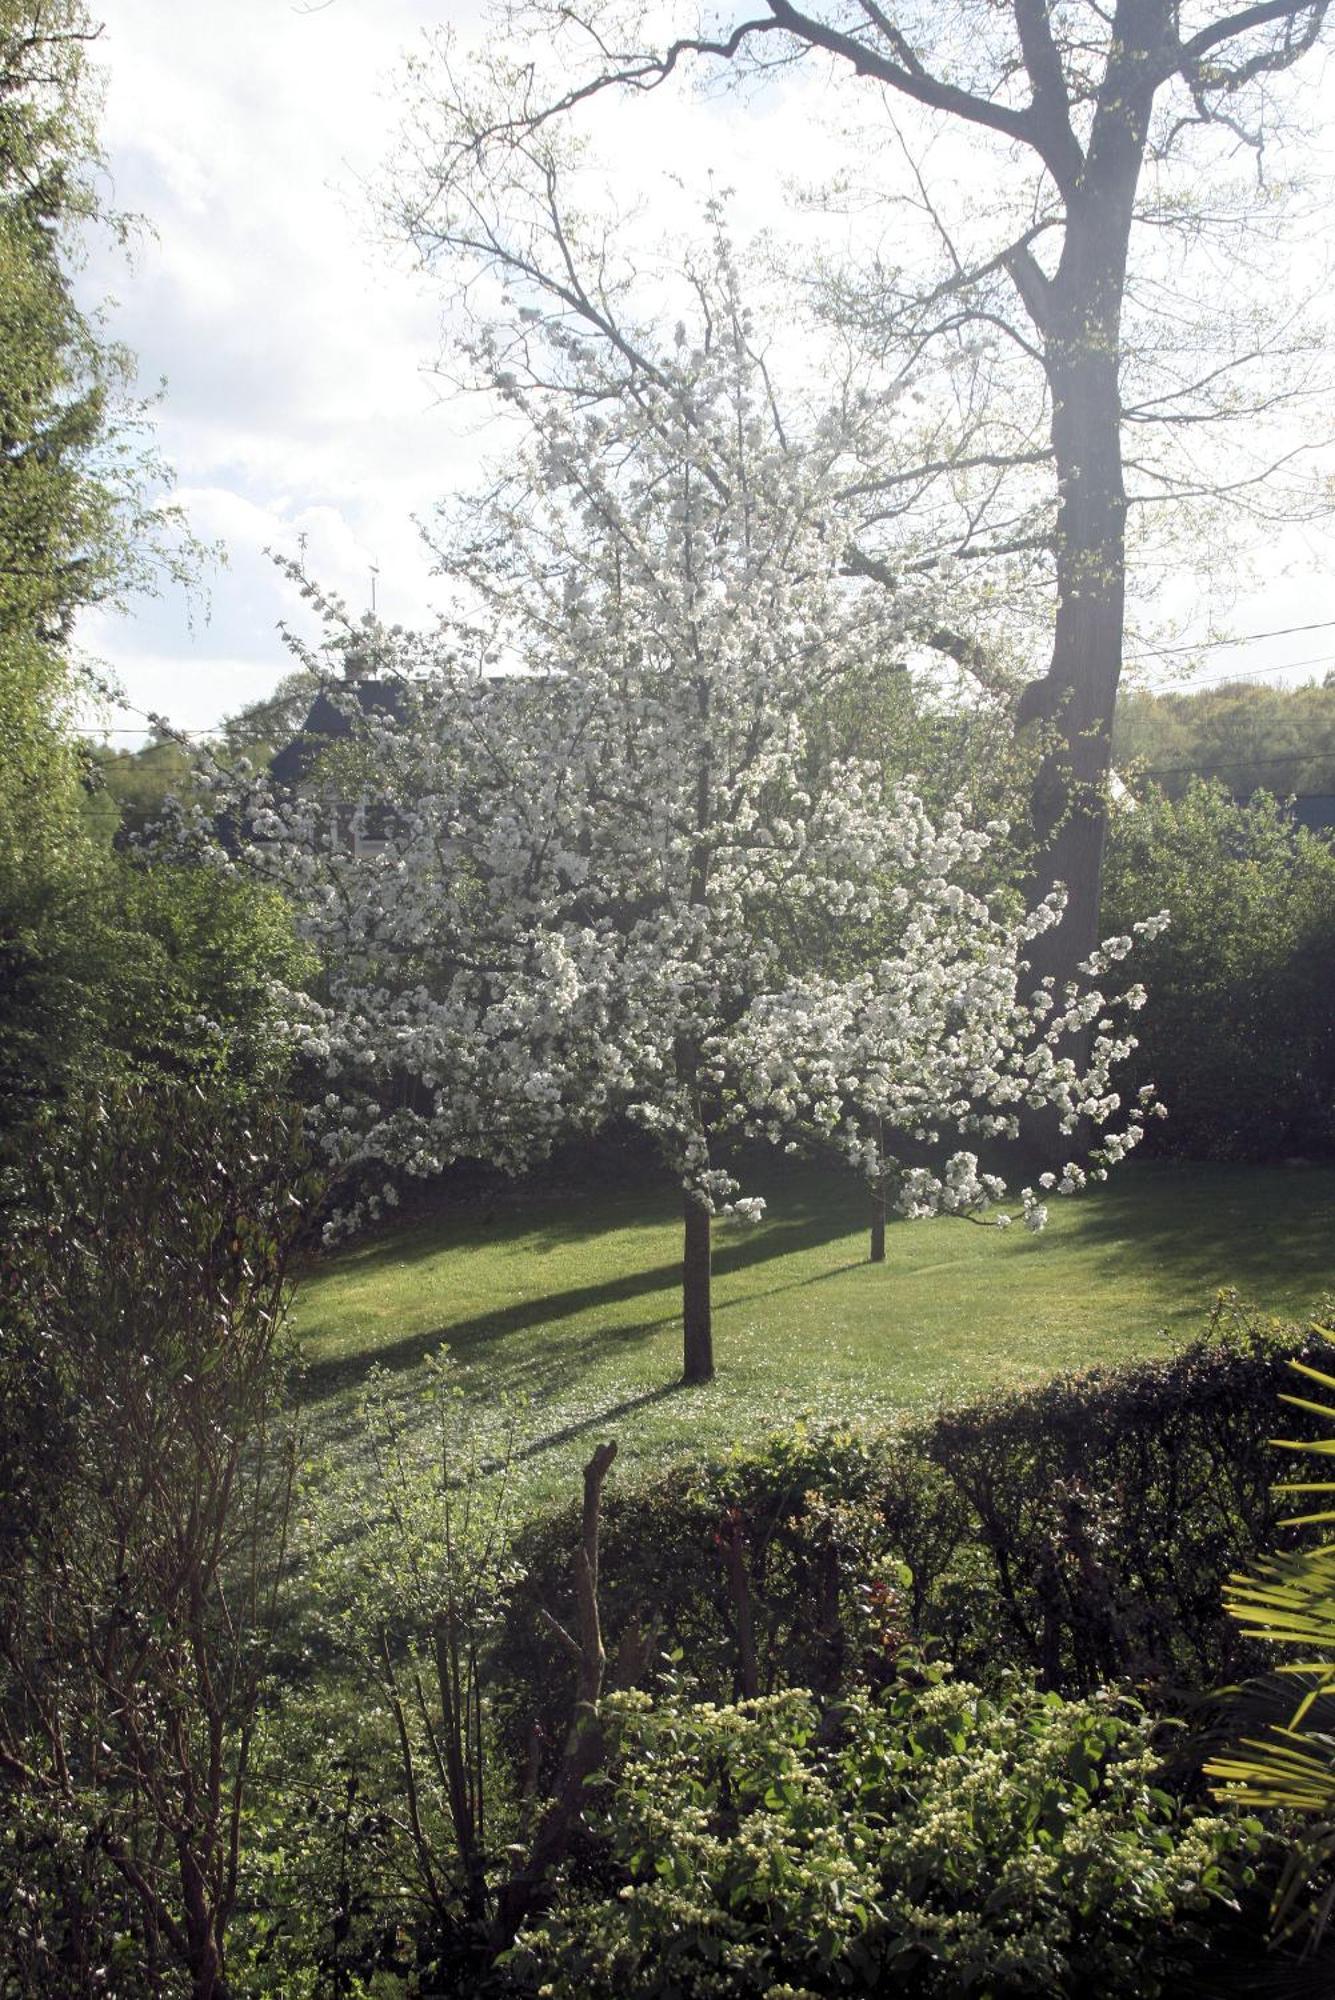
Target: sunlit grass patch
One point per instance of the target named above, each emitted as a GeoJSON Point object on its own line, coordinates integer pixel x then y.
{"type": "Point", "coordinates": [571, 1300]}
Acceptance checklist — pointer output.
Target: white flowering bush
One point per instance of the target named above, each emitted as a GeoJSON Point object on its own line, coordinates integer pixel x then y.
{"type": "Point", "coordinates": [931, 1841]}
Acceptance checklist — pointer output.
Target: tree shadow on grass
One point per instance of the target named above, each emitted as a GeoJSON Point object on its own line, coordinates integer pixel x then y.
{"type": "Point", "coordinates": [338, 1428]}
{"type": "Point", "coordinates": [1204, 1226]}
{"type": "Point", "coordinates": [542, 1223]}
{"type": "Point", "coordinates": [551, 1219]}
{"type": "Point", "coordinates": [553, 1440]}
{"type": "Point", "coordinates": [469, 1340]}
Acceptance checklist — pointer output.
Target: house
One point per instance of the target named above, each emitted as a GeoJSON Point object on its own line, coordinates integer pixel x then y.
{"type": "Point", "coordinates": [332, 719]}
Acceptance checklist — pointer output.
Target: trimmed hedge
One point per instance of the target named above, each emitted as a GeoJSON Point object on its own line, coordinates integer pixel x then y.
{"type": "Point", "coordinates": [1081, 1531]}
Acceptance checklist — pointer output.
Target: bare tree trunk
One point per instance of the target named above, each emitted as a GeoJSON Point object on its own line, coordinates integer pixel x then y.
{"type": "Point", "coordinates": [696, 1312]}
{"type": "Point", "coordinates": [586, 1745]}
{"type": "Point", "coordinates": [1080, 692]}
{"type": "Point", "coordinates": [1079, 315]}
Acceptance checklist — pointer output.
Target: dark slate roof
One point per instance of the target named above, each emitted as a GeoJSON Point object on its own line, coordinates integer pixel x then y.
{"type": "Point", "coordinates": [1315, 811]}
{"type": "Point", "coordinates": [328, 722]}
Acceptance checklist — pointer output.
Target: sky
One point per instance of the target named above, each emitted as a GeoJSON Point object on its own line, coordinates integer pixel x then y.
{"type": "Point", "coordinates": [292, 348]}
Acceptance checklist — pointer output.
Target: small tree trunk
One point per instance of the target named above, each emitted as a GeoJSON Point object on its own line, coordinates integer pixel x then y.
{"type": "Point", "coordinates": [732, 1543]}
{"type": "Point", "coordinates": [586, 1746]}
{"type": "Point", "coordinates": [877, 1255]}
{"type": "Point", "coordinates": [697, 1324]}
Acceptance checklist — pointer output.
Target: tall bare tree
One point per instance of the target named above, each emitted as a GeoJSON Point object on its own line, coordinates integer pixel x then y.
{"type": "Point", "coordinates": [1081, 97]}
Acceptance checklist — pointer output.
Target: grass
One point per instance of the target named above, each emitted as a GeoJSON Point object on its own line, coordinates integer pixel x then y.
{"type": "Point", "coordinates": [572, 1300]}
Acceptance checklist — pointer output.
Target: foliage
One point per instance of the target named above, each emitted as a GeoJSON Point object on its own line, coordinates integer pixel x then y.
{"type": "Point", "coordinates": [78, 518]}
{"type": "Point", "coordinates": [418, 1849]}
{"type": "Point", "coordinates": [1239, 1036]}
{"type": "Point", "coordinates": [1109, 1507]}
{"type": "Point", "coordinates": [200, 963]}
{"type": "Point", "coordinates": [1252, 738]}
{"type": "Point", "coordinates": [933, 1838]}
{"type": "Point", "coordinates": [986, 1838]}
{"type": "Point", "coordinates": [81, 523]}
{"type": "Point", "coordinates": [145, 1474]}
{"type": "Point", "coordinates": [128, 969]}
{"type": "Point", "coordinates": [127, 789]}
{"type": "Point", "coordinates": [415, 1573]}
{"type": "Point", "coordinates": [964, 1838]}
{"type": "Point", "coordinates": [1081, 1531]}
{"type": "Point", "coordinates": [1287, 1599]}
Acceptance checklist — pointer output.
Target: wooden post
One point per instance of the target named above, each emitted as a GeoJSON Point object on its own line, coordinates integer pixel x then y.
{"type": "Point", "coordinates": [585, 1747]}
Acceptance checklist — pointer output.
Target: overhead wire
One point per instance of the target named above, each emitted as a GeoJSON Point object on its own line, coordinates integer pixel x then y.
{"type": "Point", "coordinates": [1239, 639]}
{"type": "Point", "coordinates": [1205, 766]}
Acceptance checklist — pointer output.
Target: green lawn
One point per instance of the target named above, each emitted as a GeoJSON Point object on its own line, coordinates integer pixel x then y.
{"type": "Point", "coordinates": [573, 1301]}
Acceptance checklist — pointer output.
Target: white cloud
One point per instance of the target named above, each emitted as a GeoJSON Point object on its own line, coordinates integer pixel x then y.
{"type": "Point", "coordinates": [296, 350]}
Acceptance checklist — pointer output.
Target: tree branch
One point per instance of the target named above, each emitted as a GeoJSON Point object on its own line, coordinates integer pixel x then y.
{"type": "Point", "coordinates": [907, 74]}
{"type": "Point", "coordinates": [1188, 54]}
{"type": "Point", "coordinates": [1050, 110]}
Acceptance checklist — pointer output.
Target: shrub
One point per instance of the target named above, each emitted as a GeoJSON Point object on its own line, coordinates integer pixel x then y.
{"type": "Point", "coordinates": [1239, 1033]}
{"type": "Point", "coordinates": [1081, 1531]}
{"type": "Point", "coordinates": [1013, 1836]}
{"type": "Point", "coordinates": [145, 1469]}
{"type": "Point", "coordinates": [1105, 1510]}
{"type": "Point", "coordinates": [932, 1840]}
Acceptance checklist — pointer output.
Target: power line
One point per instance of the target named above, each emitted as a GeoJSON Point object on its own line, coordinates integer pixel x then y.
{"type": "Point", "coordinates": [1243, 639]}
{"type": "Point", "coordinates": [1243, 674]}
{"type": "Point", "coordinates": [1204, 766]}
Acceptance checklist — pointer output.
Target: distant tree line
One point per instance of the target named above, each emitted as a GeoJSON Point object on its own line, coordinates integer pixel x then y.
{"type": "Point", "coordinates": [1252, 738]}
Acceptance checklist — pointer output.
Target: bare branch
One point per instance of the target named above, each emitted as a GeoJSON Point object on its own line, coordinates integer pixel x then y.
{"type": "Point", "coordinates": [1188, 55]}
{"type": "Point", "coordinates": [905, 72]}
{"type": "Point", "coordinates": [1051, 105]}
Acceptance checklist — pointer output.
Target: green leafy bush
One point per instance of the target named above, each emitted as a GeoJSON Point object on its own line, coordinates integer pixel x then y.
{"type": "Point", "coordinates": [1081, 1531]}
{"type": "Point", "coordinates": [1011, 1839]}
{"type": "Point", "coordinates": [931, 1840]}
{"type": "Point", "coordinates": [1238, 1035]}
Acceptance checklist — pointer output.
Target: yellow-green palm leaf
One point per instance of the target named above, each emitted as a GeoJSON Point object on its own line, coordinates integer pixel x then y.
{"type": "Point", "coordinates": [1288, 1600]}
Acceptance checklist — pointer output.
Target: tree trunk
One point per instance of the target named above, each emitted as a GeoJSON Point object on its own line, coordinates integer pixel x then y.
{"type": "Point", "coordinates": [877, 1255]}
{"type": "Point", "coordinates": [1079, 314]}
{"type": "Point", "coordinates": [1080, 693]}
{"type": "Point", "coordinates": [207, 1981]}
{"type": "Point", "coordinates": [697, 1325]}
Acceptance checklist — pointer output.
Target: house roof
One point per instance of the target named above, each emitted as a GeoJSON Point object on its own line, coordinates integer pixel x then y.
{"type": "Point", "coordinates": [329, 722]}
{"type": "Point", "coordinates": [1315, 811]}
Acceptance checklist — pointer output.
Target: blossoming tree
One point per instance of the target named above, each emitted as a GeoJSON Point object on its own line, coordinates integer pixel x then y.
{"type": "Point", "coordinates": [612, 839]}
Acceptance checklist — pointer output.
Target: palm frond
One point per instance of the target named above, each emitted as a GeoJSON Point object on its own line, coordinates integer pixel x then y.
{"type": "Point", "coordinates": [1287, 1599]}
